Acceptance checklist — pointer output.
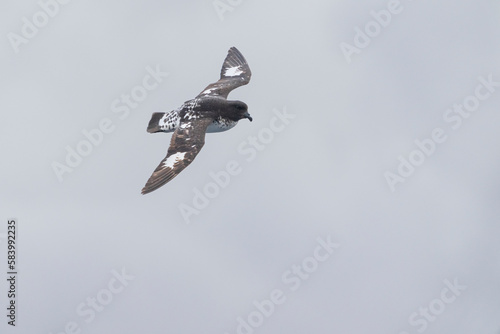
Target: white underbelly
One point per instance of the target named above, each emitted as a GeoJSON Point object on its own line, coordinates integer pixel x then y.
{"type": "Point", "coordinates": [220, 127]}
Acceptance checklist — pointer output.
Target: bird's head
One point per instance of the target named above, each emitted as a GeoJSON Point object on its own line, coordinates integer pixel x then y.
{"type": "Point", "coordinates": [239, 110]}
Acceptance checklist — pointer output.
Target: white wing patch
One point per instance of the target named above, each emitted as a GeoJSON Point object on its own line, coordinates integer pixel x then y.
{"type": "Point", "coordinates": [233, 71]}
{"type": "Point", "coordinates": [171, 160]}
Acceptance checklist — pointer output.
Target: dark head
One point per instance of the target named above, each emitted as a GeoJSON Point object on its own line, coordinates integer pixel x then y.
{"type": "Point", "coordinates": [238, 110]}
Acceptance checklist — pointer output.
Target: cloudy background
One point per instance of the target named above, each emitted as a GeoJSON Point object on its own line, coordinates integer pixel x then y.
{"type": "Point", "coordinates": [323, 175]}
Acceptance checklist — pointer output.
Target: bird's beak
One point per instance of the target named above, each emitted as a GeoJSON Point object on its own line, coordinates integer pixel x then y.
{"type": "Point", "coordinates": [247, 115]}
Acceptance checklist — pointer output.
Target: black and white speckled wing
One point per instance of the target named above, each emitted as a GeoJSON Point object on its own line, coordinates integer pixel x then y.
{"type": "Point", "coordinates": [186, 142]}
{"type": "Point", "coordinates": [164, 121]}
{"type": "Point", "coordinates": [235, 72]}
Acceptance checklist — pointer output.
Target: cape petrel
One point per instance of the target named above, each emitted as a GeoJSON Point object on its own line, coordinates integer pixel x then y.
{"type": "Point", "coordinates": [210, 111]}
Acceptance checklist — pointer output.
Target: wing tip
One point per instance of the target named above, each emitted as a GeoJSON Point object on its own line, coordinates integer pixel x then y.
{"type": "Point", "coordinates": [233, 59]}
{"type": "Point", "coordinates": [234, 51]}
{"type": "Point", "coordinates": [159, 178]}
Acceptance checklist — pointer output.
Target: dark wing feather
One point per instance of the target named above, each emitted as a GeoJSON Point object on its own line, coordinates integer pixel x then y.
{"type": "Point", "coordinates": [234, 73]}
{"type": "Point", "coordinates": [186, 142]}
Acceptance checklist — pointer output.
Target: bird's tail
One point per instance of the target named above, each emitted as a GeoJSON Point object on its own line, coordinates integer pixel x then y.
{"type": "Point", "coordinates": [154, 123]}
{"type": "Point", "coordinates": [163, 122]}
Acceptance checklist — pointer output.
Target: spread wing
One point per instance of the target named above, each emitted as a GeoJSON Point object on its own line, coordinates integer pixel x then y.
{"type": "Point", "coordinates": [234, 73]}
{"type": "Point", "coordinates": [186, 142]}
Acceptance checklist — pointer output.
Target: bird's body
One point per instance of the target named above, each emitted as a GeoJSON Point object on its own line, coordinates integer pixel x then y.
{"type": "Point", "coordinates": [192, 109]}
{"type": "Point", "coordinates": [210, 111]}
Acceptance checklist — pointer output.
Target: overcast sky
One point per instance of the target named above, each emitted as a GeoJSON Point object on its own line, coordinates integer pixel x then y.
{"type": "Point", "coordinates": [363, 198]}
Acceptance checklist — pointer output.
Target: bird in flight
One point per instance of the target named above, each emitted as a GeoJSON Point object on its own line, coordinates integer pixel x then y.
{"type": "Point", "coordinates": [210, 111]}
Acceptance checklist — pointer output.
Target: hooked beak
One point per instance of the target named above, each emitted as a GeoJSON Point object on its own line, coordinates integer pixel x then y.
{"type": "Point", "coordinates": [247, 115]}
